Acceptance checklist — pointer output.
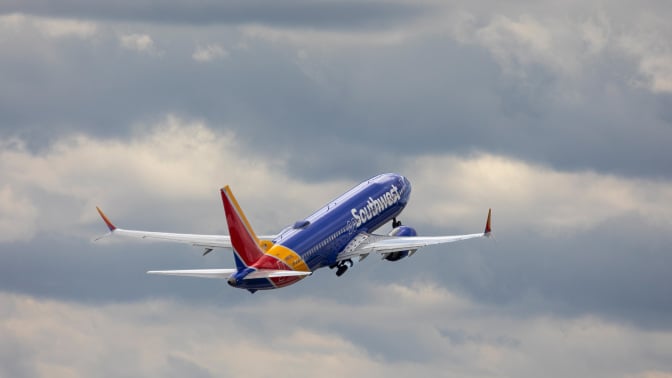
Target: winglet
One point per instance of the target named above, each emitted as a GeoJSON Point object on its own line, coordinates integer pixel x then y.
{"type": "Point", "coordinates": [106, 220]}
{"type": "Point", "coordinates": [488, 229]}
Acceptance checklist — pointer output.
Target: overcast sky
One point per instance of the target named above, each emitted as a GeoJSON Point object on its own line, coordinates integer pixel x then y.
{"type": "Point", "coordinates": [558, 115]}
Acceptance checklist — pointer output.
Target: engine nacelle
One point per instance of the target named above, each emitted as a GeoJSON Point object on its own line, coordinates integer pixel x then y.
{"type": "Point", "coordinates": [400, 231]}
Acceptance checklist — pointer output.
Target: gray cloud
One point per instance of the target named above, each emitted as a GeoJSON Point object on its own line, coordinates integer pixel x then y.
{"type": "Point", "coordinates": [329, 14]}
{"type": "Point", "coordinates": [16, 356]}
{"type": "Point", "coordinates": [308, 332]}
{"type": "Point", "coordinates": [560, 123]}
{"type": "Point", "coordinates": [415, 93]}
{"type": "Point", "coordinates": [567, 240]}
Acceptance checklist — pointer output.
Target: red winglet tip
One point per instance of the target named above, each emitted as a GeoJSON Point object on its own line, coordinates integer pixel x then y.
{"type": "Point", "coordinates": [226, 191]}
{"type": "Point", "coordinates": [106, 220]}
{"type": "Point", "coordinates": [488, 229]}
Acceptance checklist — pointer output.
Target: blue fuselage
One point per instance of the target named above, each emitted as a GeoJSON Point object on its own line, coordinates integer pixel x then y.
{"type": "Point", "coordinates": [319, 238]}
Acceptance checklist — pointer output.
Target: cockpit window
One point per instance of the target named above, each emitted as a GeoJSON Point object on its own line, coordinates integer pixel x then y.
{"type": "Point", "coordinates": [301, 224]}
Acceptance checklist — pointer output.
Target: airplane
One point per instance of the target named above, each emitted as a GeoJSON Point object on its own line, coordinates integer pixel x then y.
{"type": "Point", "coordinates": [331, 237]}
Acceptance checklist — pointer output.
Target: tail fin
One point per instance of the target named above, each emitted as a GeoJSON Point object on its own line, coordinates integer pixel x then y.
{"type": "Point", "coordinates": [244, 240]}
{"type": "Point", "coordinates": [488, 228]}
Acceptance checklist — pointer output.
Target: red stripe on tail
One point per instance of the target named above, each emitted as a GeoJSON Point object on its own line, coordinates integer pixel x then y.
{"type": "Point", "coordinates": [243, 239]}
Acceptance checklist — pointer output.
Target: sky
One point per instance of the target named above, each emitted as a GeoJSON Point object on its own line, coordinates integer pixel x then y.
{"type": "Point", "coordinates": [557, 115]}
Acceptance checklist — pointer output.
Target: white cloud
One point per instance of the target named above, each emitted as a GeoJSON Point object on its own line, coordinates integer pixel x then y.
{"type": "Point", "coordinates": [529, 197]}
{"type": "Point", "coordinates": [59, 28]}
{"type": "Point", "coordinates": [325, 40]}
{"type": "Point", "coordinates": [506, 36]}
{"type": "Point", "coordinates": [652, 374]}
{"type": "Point", "coordinates": [385, 335]}
{"type": "Point", "coordinates": [568, 45]}
{"type": "Point", "coordinates": [653, 53]}
{"type": "Point", "coordinates": [209, 53]}
{"type": "Point", "coordinates": [17, 216]}
{"type": "Point", "coordinates": [138, 42]}
{"type": "Point", "coordinates": [174, 162]}
{"type": "Point", "coordinates": [173, 170]}
{"type": "Point", "coordinates": [596, 33]}
{"type": "Point", "coordinates": [50, 27]}
{"type": "Point", "coordinates": [516, 43]}
{"type": "Point", "coordinates": [648, 42]}
{"type": "Point", "coordinates": [12, 21]}
{"type": "Point", "coordinates": [657, 70]}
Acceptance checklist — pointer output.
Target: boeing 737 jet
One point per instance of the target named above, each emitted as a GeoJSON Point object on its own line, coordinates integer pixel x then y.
{"type": "Point", "coordinates": [333, 236]}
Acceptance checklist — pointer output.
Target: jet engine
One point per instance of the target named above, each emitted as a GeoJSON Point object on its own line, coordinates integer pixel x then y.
{"type": "Point", "coordinates": [400, 231]}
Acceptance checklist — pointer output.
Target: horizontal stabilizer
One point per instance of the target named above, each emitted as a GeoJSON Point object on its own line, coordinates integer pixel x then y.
{"type": "Point", "coordinates": [269, 273]}
{"type": "Point", "coordinates": [226, 273]}
{"type": "Point", "coordinates": [202, 273]}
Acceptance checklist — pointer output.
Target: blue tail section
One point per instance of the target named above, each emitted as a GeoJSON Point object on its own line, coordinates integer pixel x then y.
{"type": "Point", "coordinates": [240, 265]}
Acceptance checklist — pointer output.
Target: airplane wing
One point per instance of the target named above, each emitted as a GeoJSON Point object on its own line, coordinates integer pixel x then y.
{"type": "Point", "coordinates": [206, 241]}
{"type": "Point", "coordinates": [365, 244]}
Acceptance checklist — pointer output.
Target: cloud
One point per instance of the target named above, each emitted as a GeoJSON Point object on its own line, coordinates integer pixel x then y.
{"type": "Point", "coordinates": [538, 197]}
{"type": "Point", "coordinates": [17, 216]}
{"type": "Point", "coordinates": [50, 27]}
{"type": "Point", "coordinates": [156, 162]}
{"type": "Point", "coordinates": [524, 84]}
{"type": "Point", "coordinates": [651, 374]}
{"type": "Point", "coordinates": [555, 115]}
{"type": "Point", "coordinates": [657, 72]}
{"type": "Point", "coordinates": [570, 46]}
{"type": "Point", "coordinates": [326, 14]}
{"type": "Point", "coordinates": [64, 28]}
{"type": "Point", "coordinates": [557, 229]}
{"type": "Point", "coordinates": [334, 38]}
{"type": "Point", "coordinates": [138, 42]}
{"type": "Point", "coordinates": [209, 53]}
{"type": "Point", "coordinates": [305, 335]}
{"type": "Point", "coordinates": [174, 160]}
{"type": "Point", "coordinates": [653, 54]}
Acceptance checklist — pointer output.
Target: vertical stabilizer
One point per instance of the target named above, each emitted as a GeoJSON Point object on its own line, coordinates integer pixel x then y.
{"type": "Point", "coordinates": [244, 240]}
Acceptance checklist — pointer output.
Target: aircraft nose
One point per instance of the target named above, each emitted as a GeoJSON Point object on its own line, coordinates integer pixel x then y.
{"type": "Point", "coordinates": [406, 183]}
